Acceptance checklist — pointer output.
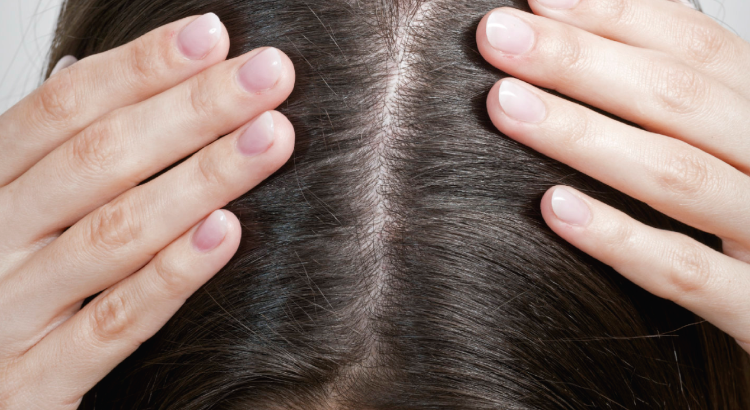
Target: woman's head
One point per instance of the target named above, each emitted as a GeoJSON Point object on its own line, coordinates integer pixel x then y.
{"type": "Point", "coordinates": [399, 260]}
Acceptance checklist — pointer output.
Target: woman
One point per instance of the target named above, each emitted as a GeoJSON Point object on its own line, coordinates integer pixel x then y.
{"type": "Point", "coordinates": [398, 260]}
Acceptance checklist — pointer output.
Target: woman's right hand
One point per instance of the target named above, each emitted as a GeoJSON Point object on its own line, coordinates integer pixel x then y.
{"type": "Point", "coordinates": [74, 221]}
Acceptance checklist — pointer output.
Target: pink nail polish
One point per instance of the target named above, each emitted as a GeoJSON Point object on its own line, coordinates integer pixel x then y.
{"type": "Point", "coordinates": [258, 137]}
{"type": "Point", "coordinates": [520, 104]}
{"type": "Point", "coordinates": [211, 232]}
{"type": "Point", "coordinates": [508, 33]}
{"type": "Point", "coordinates": [200, 37]}
{"type": "Point", "coordinates": [568, 208]}
{"type": "Point", "coordinates": [262, 72]}
{"type": "Point", "coordinates": [64, 63]}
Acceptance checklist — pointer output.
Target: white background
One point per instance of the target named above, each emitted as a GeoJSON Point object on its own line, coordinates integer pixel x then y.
{"type": "Point", "coordinates": [26, 28]}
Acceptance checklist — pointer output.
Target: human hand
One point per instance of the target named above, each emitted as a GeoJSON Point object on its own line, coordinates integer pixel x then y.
{"type": "Point", "coordinates": [683, 78]}
{"type": "Point", "coordinates": [73, 222]}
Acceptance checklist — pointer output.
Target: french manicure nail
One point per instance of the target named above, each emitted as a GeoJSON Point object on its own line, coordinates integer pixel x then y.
{"type": "Point", "coordinates": [569, 208]}
{"type": "Point", "coordinates": [261, 72]}
{"type": "Point", "coordinates": [520, 104]}
{"type": "Point", "coordinates": [558, 4]}
{"type": "Point", "coordinates": [64, 63]}
{"type": "Point", "coordinates": [258, 137]}
{"type": "Point", "coordinates": [211, 231]}
{"type": "Point", "coordinates": [508, 33]}
{"type": "Point", "coordinates": [200, 37]}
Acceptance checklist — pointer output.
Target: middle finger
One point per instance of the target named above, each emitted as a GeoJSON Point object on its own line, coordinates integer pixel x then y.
{"type": "Point", "coordinates": [643, 86]}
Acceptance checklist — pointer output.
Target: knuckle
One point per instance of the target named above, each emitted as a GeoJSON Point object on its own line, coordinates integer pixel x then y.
{"type": "Point", "coordinates": [171, 277]}
{"type": "Point", "coordinates": [617, 236]}
{"type": "Point", "coordinates": [58, 98]}
{"type": "Point", "coordinates": [689, 271]}
{"type": "Point", "coordinates": [613, 11]}
{"type": "Point", "coordinates": [209, 172]}
{"type": "Point", "coordinates": [679, 89]}
{"type": "Point", "coordinates": [200, 97]}
{"type": "Point", "coordinates": [685, 174]}
{"type": "Point", "coordinates": [574, 131]}
{"type": "Point", "coordinates": [703, 44]}
{"type": "Point", "coordinates": [110, 317]}
{"type": "Point", "coordinates": [568, 54]}
{"type": "Point", "coordinates": [95, 149]}
{"type": "Point", "coordinates": [114, 225]}
{"type": "Point", "coordinates": [146, 60]}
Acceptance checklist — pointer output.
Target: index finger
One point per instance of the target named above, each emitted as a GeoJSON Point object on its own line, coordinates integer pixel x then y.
{"type": "Point", "coordinates": [75, 97]}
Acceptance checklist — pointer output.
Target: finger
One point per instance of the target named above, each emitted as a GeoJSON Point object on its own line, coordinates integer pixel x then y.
{"type": "Point", "coordinates": [122, 236]}
{"type": "Point", "coordinates": [641, 86]}
{"type": "Point", "coordinates": [75, 97]}
{"type": "Point", "coordinates": [79, 353]}
{"type": "Point", "coordinates": [669, 175]}
{"type": "Point", "coordinates": [133, 143]}
{"type": "Point", "coordinates": [64, 63]}
{"type": "Point", "coordinates": [692, 37]}
{"type": "Point", "coordinates": [668, 264]}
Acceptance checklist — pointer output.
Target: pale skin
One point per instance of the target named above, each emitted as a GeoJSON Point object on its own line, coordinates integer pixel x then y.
{"type": "Point", "coordinates": [73, 152]}
{"type": "Point", "coordinates": [680, 76]}
{"type": "Point", "coordinates": [72, 155]}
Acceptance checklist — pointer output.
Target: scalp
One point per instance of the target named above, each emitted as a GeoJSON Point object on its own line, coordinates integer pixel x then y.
{"type": "Point", "coordinates": [399, 260]}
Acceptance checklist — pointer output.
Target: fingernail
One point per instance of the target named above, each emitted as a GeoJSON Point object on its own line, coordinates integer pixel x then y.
{"type": "Point", "coordinates": [258, 136]}
{"type": "Point", "coordinates": [200, 36]}
{"type": "Point", "coordinates": [521, 104]}
{"type": "Point", "coordinates": [262, 71]}
{"type": "Point", "coordinates": [686, 3]}
{"type": "Point", "coordinates": [509, 34]}
{"type": "Point", "coordinates": [568, 208]}
{"type": "Point", "coordinates": [64, 63]}
{"type": "Point", "coordinates": [211, 232]}
{"type": "Point", "coordinates": [558, 4]}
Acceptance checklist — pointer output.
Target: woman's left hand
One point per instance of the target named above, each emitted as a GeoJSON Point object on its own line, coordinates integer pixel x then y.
{"type": "Point", "coordinates": [684, 79]}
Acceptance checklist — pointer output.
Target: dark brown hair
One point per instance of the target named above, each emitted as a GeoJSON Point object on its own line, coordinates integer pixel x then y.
{"type": "Point", "coordinates": [399, 260]}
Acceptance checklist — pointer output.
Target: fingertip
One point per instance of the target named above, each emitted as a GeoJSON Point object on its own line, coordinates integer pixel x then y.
{"type": "Point", "coordinates": [505, 35]}
{"type": "Point", "coordinates": [565, 208]}
{"type": "Point", "coordinates": [289, 70]}
{"type": "Point", "coordinates": [483, 44]}
{"type": "Point", "coordinates": [288, 74]}
{"type": "Point", "coordinates": [64, 63]}
{"type": "Point", "coordinates": [227, 240]}
{"type": "Point", "coordinates": [745, 346]}
{"type": "Point", "coordinates": [546, 207]}
{"type": "Point", "coordinates": [494, 110]}
{"type": "Point", "coordinates": [283, 143]}
{"type": "Point", "coordinates": [210, 233]}
{"type": "Point", "coordinates": [201, 38]}
{"type": "Point", "coordinates": [234, 232]}
{"type": "Point", "coordinates": [234, 228]}
{"type": "Point", "coordinates": [285, 134]}
{"type": "Point", "coordinates": [516, 108]}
